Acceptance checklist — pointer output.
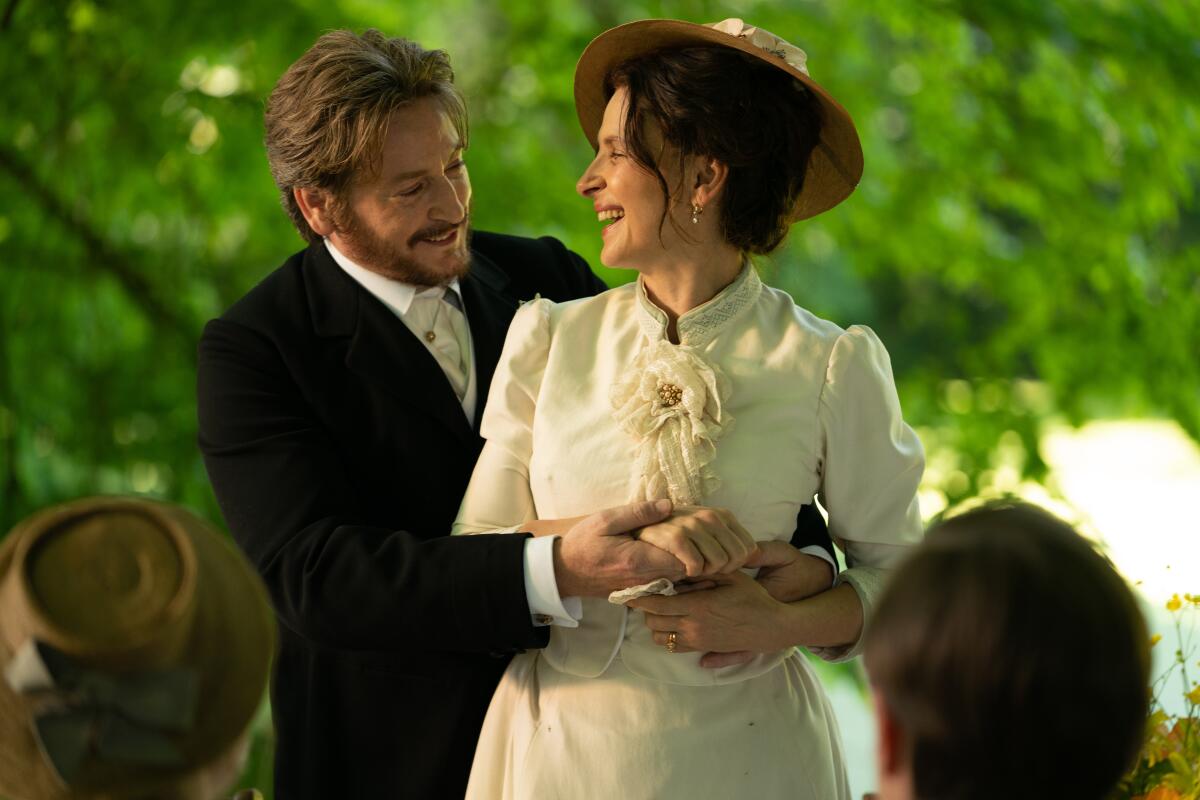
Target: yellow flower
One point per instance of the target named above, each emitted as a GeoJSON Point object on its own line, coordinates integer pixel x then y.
{"type": "Point", "coordinates": [1174, 604]}
{"type": "Point", "coordinates": [1164, 793]}
{"type": "Point", "coordinates": [1194, 695]}
{"type": "Point", "coordinates": [1155, 639]}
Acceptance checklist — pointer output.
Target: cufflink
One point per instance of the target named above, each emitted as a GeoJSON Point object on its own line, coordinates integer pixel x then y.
{"type": "Point", "coordinates": [543, 619]}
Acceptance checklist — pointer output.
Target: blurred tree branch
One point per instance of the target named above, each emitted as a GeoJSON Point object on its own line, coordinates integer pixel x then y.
{"type": "Point", "coordinates": [8, 14]}
{"type": "Point", "coordinates": [101, 252]}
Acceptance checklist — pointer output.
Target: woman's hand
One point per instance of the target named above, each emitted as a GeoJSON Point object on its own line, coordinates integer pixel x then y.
{"type": "Point", "coordinates": [789, 575]}
{"type": "Point", "coordinates": [708, 541]}
{"type": "Point", "coordinates": [737, 619]}
{"type": "Point", "coordinates": [736, 616]}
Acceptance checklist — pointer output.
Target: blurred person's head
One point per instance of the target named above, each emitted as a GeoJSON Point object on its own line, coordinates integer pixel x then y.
{"type": "Point", "coordinates": [1007, 659]}
{"type": "Point", "coordinates": [365, 136]}
{"type": "Point", "coordinates": [706, 138]}
{"type": "Point", "coordinates": [135, 648]}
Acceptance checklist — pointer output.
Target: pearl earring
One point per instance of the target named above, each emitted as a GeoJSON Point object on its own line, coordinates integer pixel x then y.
{"type": "Point", "coordinates": [696, 209]}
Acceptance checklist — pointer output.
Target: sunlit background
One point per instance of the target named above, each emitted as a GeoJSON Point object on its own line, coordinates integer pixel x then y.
{"type": "Point", "coordinates": [1132, 485]}
{"type": "Point", "coordinates": [1024, 239]}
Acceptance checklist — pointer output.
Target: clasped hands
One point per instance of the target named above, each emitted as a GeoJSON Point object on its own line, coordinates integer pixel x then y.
{"type": "Point", "coordinates": [720, 610]}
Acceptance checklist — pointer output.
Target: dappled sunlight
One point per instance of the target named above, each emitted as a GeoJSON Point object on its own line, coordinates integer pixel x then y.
{"type": "Point", "coordinates": [1131, 485]}
{"type": "Point", "coordinates": [1136, 484]}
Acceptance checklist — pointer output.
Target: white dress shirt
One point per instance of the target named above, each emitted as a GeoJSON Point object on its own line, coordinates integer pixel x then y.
{"type": "Point", "coordinates": [418, 318]}
{"type": "Point", "coordinates": [541, 588]}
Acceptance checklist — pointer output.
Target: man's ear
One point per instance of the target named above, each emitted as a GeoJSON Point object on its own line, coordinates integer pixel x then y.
{"type": "Point", "coordinates": [711, 175]}
{"type": "Point", "coordinates": [889, 747]}
{"type": "Point", "coordinates": [317, 207]}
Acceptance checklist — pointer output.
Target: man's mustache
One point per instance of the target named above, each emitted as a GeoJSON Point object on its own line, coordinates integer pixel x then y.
{"type": "Point", "coordinates": [434, 231]}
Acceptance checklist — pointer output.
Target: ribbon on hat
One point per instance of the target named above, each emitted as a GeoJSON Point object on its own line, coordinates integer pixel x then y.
{"type": "Point", "coordinates": [764, 40]}
{"type": "Point", "coordinates": [80, 712]}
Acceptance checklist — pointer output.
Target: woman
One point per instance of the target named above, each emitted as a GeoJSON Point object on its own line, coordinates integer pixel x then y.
{"type": "Point", "coordinates": [710, 141]}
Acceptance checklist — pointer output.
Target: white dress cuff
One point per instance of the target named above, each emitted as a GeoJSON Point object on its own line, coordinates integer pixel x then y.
{"type": "Point", "coordinates": [820, 552]}
{"type": "Point", "coordinates": [541, 589]}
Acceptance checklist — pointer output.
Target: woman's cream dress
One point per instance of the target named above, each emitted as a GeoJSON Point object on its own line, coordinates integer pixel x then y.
{"type": "Point", "coordinates": [759, 408]}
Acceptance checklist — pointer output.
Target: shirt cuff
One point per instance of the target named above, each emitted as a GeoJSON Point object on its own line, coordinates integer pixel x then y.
{"type": "Point", "coordinates": [541, 589]}
{"type": "Point", "coordinates": [811, 550]}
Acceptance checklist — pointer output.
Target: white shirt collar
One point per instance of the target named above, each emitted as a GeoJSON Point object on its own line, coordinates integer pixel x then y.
{"type": "Point", "coordinates": [396, 295]}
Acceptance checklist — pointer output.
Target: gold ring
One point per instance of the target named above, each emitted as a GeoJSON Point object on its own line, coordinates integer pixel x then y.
{"type": "Point", "coordinates": [671, 642]}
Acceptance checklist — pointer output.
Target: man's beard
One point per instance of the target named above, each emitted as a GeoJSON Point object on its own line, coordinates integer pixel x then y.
{"type": "Point", "coordinates": [379, 255]}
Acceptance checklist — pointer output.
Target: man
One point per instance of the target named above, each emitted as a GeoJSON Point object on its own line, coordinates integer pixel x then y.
{"type": "Point", "coordinates": [1007, 659]}
{"type": "Point", "coordinates": [338, 407]}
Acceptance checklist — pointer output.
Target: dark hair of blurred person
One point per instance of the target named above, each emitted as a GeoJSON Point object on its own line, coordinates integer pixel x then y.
{"type": "Point", "coordinates": [1008, 659]}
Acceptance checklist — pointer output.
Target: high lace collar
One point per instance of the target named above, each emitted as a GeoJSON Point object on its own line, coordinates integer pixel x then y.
{"type": "Point", "coordinates": [700, 325]}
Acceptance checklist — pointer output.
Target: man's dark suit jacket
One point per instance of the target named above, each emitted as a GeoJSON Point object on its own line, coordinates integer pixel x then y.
{"type": "Point", "coordinates": [339, 454]}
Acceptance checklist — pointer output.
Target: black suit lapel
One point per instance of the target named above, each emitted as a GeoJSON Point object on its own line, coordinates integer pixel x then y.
{"type": "Point", "coordinates": [385, 351]}
{"type": "Point", "coordinates": [381, 350]}
{"type": "Point", "coordinates": [489, 311]}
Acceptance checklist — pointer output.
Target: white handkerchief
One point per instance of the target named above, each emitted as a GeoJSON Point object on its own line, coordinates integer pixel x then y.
{"type": "Point", "coordinates": [661, 586]}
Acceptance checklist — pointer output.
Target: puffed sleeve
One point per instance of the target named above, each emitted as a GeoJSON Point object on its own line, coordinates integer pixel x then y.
{"type": "Point", "coordinates": [871, 466]}
{"type": "Point", "coordinates": [498, 497]}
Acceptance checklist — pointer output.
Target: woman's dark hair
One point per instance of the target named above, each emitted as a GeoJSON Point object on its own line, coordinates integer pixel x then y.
{"type": "Point", "coordinates": [1013, 658]}
{"type": "Point", "coordinates": [718, 102]}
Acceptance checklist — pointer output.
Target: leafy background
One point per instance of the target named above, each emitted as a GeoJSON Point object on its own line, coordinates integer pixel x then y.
{"type": "Point", "coordinates": [1024, 239]}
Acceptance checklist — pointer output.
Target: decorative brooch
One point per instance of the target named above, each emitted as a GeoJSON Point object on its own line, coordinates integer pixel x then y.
{"type": "Point", "coordinates": [672, 403]}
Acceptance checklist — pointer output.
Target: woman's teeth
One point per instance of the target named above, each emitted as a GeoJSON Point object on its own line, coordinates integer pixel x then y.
{"type": "Point", "coordinates": [612, 213]}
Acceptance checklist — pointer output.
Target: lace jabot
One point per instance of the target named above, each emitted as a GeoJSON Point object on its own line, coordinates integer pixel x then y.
{"type": "Point", "coordinates": [671, 400]}
{"type": "Point", "coordinates": [701, 325]}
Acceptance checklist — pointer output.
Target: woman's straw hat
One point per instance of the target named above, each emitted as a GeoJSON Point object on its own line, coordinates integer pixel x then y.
{"type": "Point", "coordinates": [135, 648]}
{"type": "Point", "coordinates": [836, 164]}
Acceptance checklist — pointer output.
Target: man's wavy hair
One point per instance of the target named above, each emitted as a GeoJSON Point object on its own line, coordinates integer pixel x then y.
{"type": "Point", "coordinates": [327, 117]}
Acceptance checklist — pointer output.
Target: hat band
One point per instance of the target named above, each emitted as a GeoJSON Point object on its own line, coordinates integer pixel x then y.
{"type": "Point", "coordinates": [81, 713]}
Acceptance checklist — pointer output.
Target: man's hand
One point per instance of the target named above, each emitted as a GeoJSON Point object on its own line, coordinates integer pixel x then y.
{"type": "Point", "coordinates": [598, 556]}
{"type": "Point", "coordinates": [789, 575]}
{"type": "Point", "coordinates": [735, 618]}
{"type": "Point", "coordinates": [709, 541]}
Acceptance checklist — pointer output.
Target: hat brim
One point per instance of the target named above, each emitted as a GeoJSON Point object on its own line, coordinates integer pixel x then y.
{"type": "Point", "coordinates": [836, 164]}
{"type": "Point", "coordinates": [231, 644]}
